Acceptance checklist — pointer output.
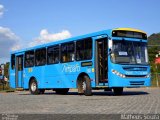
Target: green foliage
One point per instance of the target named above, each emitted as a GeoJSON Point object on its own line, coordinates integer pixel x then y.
{"type": "Point", "coordinates": [152, 51]}
{"type": "Point", "coordinates": [6, 70]}
{"type": "Point", "coordinates": [154, 39]}
{"type": "Point", "coordinates": [153, 48]}
{"type": "Point", "coordinates": [155, 74]}
{"type": "Point", "coordinates": [155, 68]}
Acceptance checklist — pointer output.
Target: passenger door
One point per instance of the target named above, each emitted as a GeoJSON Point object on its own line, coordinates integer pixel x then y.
{"type": "Point", "coordinates": [101, 60]}
{"type": "Point", "coordinates": [19, 71]}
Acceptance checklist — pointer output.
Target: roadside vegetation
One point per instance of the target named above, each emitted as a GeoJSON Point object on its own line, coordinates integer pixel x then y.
{"type": "Point", "coordinates": [154, 51]}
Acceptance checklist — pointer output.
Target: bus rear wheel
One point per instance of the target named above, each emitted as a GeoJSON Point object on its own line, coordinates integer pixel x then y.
{"type": "Point", "coordinates": [33, 87]}
{"type": "Point", "coordinates": [118, 90]}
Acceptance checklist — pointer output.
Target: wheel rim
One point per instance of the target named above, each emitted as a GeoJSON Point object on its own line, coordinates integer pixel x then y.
{"type": "Point", "coordinates": [33, 86]}
{"type": "Point", "coordinates": [84, 86]}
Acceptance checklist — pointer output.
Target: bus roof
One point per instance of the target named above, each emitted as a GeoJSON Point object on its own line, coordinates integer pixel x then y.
{"type": "Point", "coordinates": [130, 29]}
{"type": "Point", "coordinates": [64, 40]}
{"type": "Point", "coordinates": [108, 32]}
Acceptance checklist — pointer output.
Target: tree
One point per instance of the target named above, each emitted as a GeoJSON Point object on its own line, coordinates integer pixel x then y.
{"type": "Point", "coordinates": [152, 51]}
{"type": "Point", "coordinates": [6, 70]}
{"type": "Point", "coordinates": [153, 46]}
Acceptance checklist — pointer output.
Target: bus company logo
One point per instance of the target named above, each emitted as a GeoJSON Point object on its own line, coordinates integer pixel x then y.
{"type": "Point", "coordinates": [70, 68]}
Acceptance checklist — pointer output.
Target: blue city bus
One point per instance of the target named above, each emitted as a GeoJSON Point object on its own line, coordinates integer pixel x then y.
{"type": "Point", "coordinates": [110, 59]}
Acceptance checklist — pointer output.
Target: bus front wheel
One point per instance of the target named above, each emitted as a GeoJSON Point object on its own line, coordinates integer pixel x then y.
{"type": "Point", "coordinates": [84, 86]}
{"type": "Point", "coordinates": [118, 90]}
{"type": "Point", "coordinates": [33, 87]}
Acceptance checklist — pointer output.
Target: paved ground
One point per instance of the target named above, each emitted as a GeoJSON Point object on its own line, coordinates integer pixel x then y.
{"type": "Point", "coordinates": [140, 101]}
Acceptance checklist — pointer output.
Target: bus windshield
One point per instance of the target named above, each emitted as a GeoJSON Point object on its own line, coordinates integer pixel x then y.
{"type": "Point", "coordinates": [129, 52]}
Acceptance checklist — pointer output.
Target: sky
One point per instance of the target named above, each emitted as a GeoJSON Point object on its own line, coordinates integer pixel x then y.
{"type": "Point", "coordinates": [25, 23]}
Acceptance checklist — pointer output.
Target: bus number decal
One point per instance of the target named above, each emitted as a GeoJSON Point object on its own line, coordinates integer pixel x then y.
{"type": "Point", "coordinates": [30, 70]}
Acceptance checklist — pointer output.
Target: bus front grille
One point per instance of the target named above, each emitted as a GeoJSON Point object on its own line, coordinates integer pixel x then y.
{"type": "Point", "coordinates": [136, 82]}
{"type": "Point", "coordinates": [135, 76]}
{"type": "Point", "coordinates": [135, 68]}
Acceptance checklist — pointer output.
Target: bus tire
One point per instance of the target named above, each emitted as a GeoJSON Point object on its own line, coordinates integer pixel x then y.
{"type": "Point", "coordinates": [118, 90]}
{"type": "Point", "coordinates": [33, 87]}
{"type": "Point", "coordinates": [87, 86]}
{"type": "Point", "coordinates": [62, 91]}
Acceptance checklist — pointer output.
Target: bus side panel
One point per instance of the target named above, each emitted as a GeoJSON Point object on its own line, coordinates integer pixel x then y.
{"type": "Point", "coordinates": [53, 76]}
{"type": "Point", "coordinates": [47, 77]}
{"type": "Point", "coordinates": [12, 78]}
{"type": "Point", "coordinates": [27, 75]}
{"type": "Point", "coordinates": [65, 75]}
{"type": "Point", "coordinates": [62, 75]}
{"type": "Point", "coordinates": [36, 72]}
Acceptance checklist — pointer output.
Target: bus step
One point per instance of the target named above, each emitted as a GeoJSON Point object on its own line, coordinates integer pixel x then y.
{"type": "Point", "coordinates": [19, 89]}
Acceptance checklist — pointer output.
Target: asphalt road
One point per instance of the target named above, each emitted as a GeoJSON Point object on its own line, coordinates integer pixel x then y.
{"type": "Point", "coordinates": [133, 101]}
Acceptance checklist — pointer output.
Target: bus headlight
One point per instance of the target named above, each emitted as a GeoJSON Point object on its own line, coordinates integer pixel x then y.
{"type": "Point", "coordinates": [149, 75]}
{"type": "Point", "coordinates": [118, 73]}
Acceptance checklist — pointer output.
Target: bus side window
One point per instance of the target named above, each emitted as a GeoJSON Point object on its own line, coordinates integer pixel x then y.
{"type": "Point", "coordinates": [12, 61]}
{"type": "Point", "coordinates": [88, 49]}
{"type": "Point", "coordinates": [67, 52]}
{"type": "Point", "coordinates": [79, 50]}
{"type": "Point", "coordinates": [84, 49]}
{"type": "Point", "coordinates": [53, 54]}
{"type": "Point", "coordinates": [40, 57]}
{"type": "Point", "coordinates": [70, 51]}
{"type": "Point", "coordinates": [29, 59]}
{"type": "Point", "coordinates": [64, 53]}
{"type": "Point", "coordinates": [64, 58]}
